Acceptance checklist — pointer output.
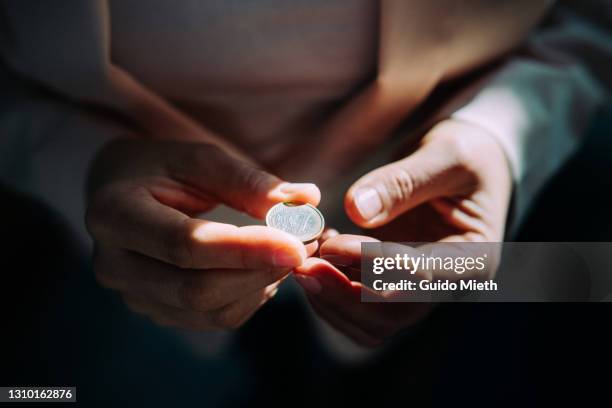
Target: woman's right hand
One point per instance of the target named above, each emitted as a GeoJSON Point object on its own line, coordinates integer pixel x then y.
{"type": "Point", "coordinates": [179, 270]}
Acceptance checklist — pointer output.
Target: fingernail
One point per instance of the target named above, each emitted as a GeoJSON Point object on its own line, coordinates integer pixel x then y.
{"type": "Point", "coordinates": [309, 283]}
{"type": "Point", "coordinates": [340, 260]}
{"type": "Point", "coordinates": [368, 203]}
{"type": "Point", "coordinates": [291, 188]}
{"type": "Point", "coordinates": [283, 259]}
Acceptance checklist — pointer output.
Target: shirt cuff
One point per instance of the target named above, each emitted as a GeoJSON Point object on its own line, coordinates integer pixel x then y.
{"type": "Point", "coordinates": [538, 114]}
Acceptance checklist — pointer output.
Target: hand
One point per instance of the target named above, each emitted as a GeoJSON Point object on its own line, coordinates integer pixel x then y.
{"type": "Point", "coordinates": [179, 270]}
{"type": "Point", "coordinates": [455, 187]}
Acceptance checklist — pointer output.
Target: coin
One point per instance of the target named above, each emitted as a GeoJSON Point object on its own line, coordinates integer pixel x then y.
{"type": "Point", "coordinates": [301, 220]}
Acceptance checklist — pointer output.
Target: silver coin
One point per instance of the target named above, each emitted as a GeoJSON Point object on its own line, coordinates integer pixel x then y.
{"type": "Point", "coordinates": [301, 220]}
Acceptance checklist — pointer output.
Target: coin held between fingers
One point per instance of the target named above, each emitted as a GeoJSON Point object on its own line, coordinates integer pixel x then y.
{"type": "Point", "coordinates": [301, 220]}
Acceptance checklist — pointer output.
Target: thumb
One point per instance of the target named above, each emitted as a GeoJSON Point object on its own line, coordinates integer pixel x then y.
{"type": "Point", "coordinates": [238, 184]}
{"type": "Point", "coordinates": [432, 171]}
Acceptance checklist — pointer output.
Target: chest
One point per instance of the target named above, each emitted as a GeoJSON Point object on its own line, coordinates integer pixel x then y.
{"type": "Point", "coordinates": [277, 44]}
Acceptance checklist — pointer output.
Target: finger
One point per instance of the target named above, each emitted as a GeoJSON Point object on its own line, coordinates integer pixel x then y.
{"type": "Point", "coordinates": [312, 248]}
{"type": "Point", "coordinates": [236, 183]}
{"type": "Point", "coordinates": [327, 234]}
{"type": "Point", "coordinates": [236, 314]}
{"type": "Point", "coordinates": [459, 213]}
{"type": "Point", "coordinates": [216, 245]}
{"type": "Point", "coordinates": [200, 290]}
{"type": "Point", "coordinates": [131, 218]}
{"type": "Point", "coordinates": [343, 326]}
{"type": "Point", "coordinates": [345, 253]}
{"type": "Point", "coordinates": [388, 320]}
{"type": "Point", "coordinates": [227, 318]}
{"type": "Point", "coordinates": [344, 249]}
{"type": "Point", "coordinates": [179, 196]}
{"type": "Point", "coordinates": [339, 293]}
{"type": "Point", "coordinates": [307, 275]}
{"type": "Point", "coordinates": [434, 170]}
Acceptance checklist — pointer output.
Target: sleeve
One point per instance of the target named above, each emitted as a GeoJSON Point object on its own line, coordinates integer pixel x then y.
{"type": "Point", "coordinates": [539, 102]}
{"type": "Point", "coordinates": [46, 145]}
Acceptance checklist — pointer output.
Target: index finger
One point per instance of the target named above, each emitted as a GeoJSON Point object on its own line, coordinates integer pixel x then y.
{"type": "Point", "coordinates": [136, 221]}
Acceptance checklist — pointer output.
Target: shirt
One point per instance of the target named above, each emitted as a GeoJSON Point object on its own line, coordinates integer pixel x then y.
{"type": "Point", "coordinates": [274, 68]}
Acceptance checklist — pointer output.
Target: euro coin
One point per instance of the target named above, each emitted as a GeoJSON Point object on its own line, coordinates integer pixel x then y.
{"type": "Point", "coordinates": [301, 220]}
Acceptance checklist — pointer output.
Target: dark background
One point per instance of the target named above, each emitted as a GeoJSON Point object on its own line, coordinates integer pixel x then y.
{"type": "Point", "coordinates": [59, 328]}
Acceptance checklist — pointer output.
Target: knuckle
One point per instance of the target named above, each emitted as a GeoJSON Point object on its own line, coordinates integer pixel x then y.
{"type": "Point", "coordinates": [192, 295]}
{"type": "Point", "coordinates": [178, 244]}
{"type": "Point", "coordinates": [102, 278]}
{"type": "Point", "coordinates": [196, 294]}
{"type": "Point", "coordinates": [189, 157]}
{"type": "Point", "coordinates": [246, 177]}
{"type": "Point", "coordinates": [399, 185]}
{"type": "Point", "coordinates": [96, 216]}
{"type": "Point", "coordinates": [105, 208]}
{"type": "Point", "coordinates": [134, 306]}
{"type": "Point", "coordinates": [250, 179]}
{"type": "Point", "coordinates": [102, 273]}
{"type": "Point", "coordinates": [465, 157]}
{"type": "Point", "coordinates": [229, 318]}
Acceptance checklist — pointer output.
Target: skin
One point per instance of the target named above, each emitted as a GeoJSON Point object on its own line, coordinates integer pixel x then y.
{"type": "Point", "coordinates": [164, 262]}
{"type": "Point", "coordinates": [455, 187]}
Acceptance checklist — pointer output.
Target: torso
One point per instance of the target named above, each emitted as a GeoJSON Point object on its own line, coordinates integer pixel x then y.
{"type": "Point", "coordinates": [259, 73]}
